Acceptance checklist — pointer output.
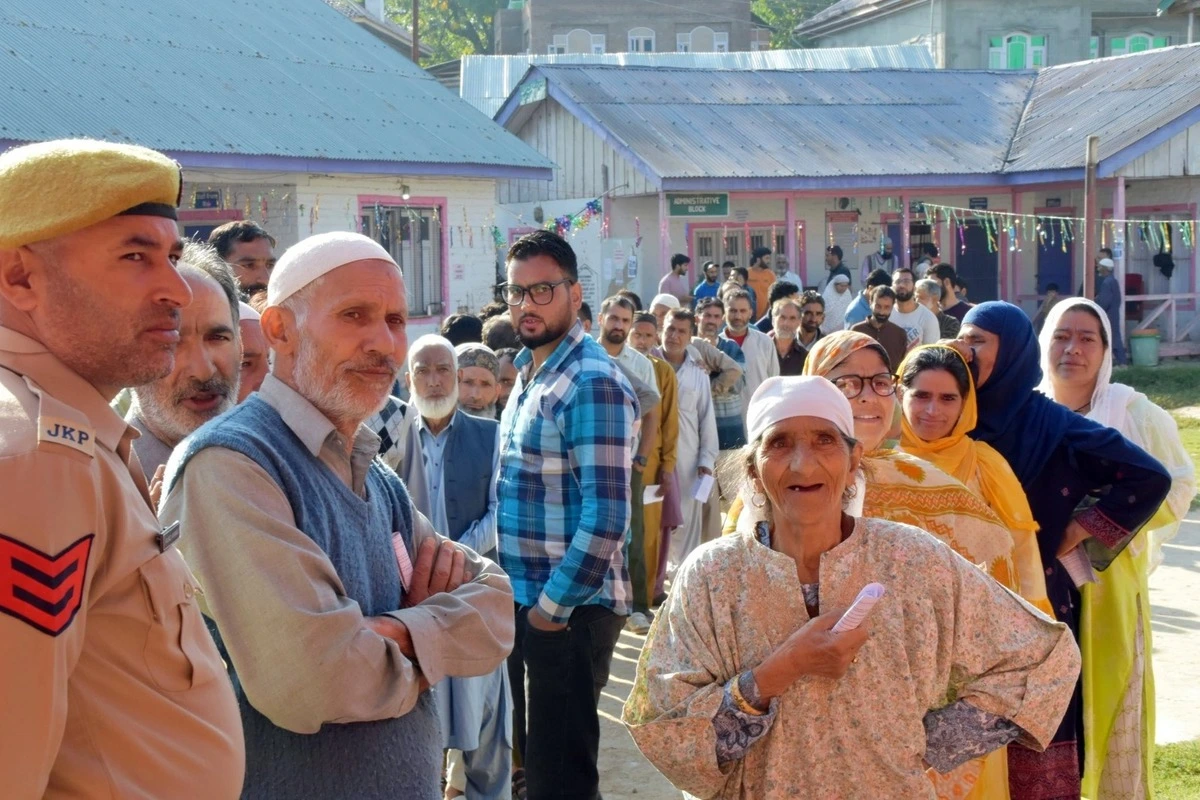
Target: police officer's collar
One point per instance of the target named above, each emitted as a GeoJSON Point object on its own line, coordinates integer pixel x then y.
{"type": "Point", "coordinates": [31, 359]}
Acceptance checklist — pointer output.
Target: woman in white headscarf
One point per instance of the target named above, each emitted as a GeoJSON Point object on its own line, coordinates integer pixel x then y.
{"type": "Point", "coordinates": [744, 690]}
{"type": "Point", "coordinates": [838, 298]}
{"type": "Point", "coordinates": [1118, 682]}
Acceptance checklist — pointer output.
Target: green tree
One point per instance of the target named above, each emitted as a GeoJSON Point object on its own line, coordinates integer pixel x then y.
{"type": "Point", "coordinates": [451, 28]}
{"type": "Point", "coordinates": [784, 15]}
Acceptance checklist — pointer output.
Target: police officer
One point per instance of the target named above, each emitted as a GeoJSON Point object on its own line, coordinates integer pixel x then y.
{"type": "Point", "coordinates": [110, 683]}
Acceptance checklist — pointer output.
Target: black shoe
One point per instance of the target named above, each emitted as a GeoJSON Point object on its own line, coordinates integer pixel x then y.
{"type": "Point", "coordinates": [659, 599]}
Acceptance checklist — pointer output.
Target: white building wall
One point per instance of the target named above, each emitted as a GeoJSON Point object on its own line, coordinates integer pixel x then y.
{"type": "Point", "coordinates": [585, 166]}
{"type": "Point", "coordinates": [318, 204]}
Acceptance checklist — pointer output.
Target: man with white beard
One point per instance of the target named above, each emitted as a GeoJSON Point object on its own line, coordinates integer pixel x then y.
{"type": "Point", "coordinates": [461, 457]}
{"type": "Point", "coordinates": [204, 383]}
{"type": "Point", "coordinates": [478, 379]}
{"type": "Point", "coordinates": [335, 603]}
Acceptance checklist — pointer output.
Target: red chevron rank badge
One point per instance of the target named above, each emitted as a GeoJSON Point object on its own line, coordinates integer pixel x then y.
{"type": "Point", "coordinates": [44, 591]}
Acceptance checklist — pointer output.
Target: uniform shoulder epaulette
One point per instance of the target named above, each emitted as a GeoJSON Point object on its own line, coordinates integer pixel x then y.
{"type": "Point", "coordinates": [61, 426]}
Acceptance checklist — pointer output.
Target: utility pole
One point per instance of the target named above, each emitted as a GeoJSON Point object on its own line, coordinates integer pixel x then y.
{"type": "Point", "coordinates": [416, 35]}
{"type": "Point", "coordinates": [1091, 160]}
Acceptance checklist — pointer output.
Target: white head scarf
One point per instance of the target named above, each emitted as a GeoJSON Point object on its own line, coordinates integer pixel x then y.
{"type": "Point", "coordinates": [668, 300]}
{"type": "Point", "coordinates": [1109, 400]}
{"type": "Point", "coordinates": [781, 398]}
{"type": "Point", "coordinates": [836, 305]}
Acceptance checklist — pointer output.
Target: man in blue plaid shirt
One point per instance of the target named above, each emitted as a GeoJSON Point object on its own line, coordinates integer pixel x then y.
{"type": "Point", "coordinates": [564, 507]}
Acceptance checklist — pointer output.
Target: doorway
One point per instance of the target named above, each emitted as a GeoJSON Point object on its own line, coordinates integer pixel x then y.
{"type": "Point", "coordinates": [1055, 258]}
{"type": "Point", "coordinates": [978, 267]}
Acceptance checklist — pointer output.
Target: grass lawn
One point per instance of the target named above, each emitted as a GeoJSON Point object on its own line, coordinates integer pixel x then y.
{"type": "Point", "coordinates": [1177, 771]}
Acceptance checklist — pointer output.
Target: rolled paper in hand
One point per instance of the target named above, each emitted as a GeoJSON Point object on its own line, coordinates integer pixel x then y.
{"type": "Point", "coordinates": [862, 606]}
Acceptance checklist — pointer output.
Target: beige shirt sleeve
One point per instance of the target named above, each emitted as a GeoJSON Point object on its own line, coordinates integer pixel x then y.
{"type": "Point", "coordinates": [45, 511]}
{"type": "Point", "coordinates": [467, 632]}
{"type": "Point", "coordinates": [300, 646]}
{"type": "Point", "coordinates": [714, 360]}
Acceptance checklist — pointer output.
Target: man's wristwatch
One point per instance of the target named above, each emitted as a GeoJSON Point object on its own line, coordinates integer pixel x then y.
{"type": "Point", "coordinates": [640, 461]}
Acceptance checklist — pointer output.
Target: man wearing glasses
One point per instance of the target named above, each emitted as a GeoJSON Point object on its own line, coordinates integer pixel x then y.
{"type": "Point", "coordinates": [564, 509]}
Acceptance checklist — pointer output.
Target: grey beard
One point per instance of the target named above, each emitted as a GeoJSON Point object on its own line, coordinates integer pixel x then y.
{"type": "Point", "coordinates": [487, 413]}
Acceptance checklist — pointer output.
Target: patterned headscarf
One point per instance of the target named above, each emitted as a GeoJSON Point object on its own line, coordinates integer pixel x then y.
{"type": "Point", "coordinates": [473, 354]}
{"type": "Point", "coordinates": [835, 348]}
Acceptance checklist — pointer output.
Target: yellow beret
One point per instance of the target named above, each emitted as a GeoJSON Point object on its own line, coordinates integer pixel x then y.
{"type": "Point", "coordinates": [53, 188]}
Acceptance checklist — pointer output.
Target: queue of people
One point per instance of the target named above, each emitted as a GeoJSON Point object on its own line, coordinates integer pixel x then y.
{"type": "Point", "coordinates": [257, 544]}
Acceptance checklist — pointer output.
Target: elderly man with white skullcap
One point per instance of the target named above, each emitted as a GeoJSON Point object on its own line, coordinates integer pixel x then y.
{"type": "Point", "coordinates": [335, 603]}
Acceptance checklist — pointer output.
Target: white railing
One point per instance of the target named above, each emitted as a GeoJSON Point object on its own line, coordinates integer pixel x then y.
{"type": "Point", "coordinates": [1175, 336]}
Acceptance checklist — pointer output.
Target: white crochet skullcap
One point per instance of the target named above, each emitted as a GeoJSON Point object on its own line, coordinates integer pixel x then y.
{"type": "Point", "coordinates": [317, 256]}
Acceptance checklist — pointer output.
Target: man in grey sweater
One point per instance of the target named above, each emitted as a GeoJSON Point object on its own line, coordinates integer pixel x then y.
{"type": "Point", "coordinates": [334, 602]}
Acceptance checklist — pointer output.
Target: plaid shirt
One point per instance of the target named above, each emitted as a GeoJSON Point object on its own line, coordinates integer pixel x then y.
{"type": "Point", "coordinates": [565, 455]}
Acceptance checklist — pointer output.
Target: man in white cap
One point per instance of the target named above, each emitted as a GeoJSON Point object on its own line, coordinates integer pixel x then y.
{"type": "Point", "coordinates": [661, 304]}
{"type": "Point", "coordinates": [254, 352]}
{"type": "Point", "coordinates": [336, 605]}
{"type": "Point", "coordinates": [1108, 297]}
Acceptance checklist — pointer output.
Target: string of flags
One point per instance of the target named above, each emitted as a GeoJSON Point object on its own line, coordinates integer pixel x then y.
{"type": "Point", "coordinates": [1055, 230]}
{"type": "Point", "coordinates": [571, 223]}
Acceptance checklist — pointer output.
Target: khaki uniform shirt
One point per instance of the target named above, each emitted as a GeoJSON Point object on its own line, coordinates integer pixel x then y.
{"type": "Point", "coordinates": [109, 682]}
{"type": "Point", "coordinates": [303, 652]}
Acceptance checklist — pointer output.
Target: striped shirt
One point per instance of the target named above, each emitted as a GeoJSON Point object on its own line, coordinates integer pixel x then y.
{"type": "Point", "coordinates": [565, 454]}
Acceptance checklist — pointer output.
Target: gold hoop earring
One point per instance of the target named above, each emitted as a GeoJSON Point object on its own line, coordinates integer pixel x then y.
{"type": "Point", "coordinates": [758, 500]}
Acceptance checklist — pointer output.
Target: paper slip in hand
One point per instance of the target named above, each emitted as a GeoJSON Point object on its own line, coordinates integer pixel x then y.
{"type": "Point", "coordinates": [1078, 566]}
{"type": "Point", "coordinates": [650, 495]}
{"type": "Point", "coordinates": [403, 561]}
{"type": "Point", "coordinates": [862, 605]}
{"type": "Point", "coordinates": [702, 488]}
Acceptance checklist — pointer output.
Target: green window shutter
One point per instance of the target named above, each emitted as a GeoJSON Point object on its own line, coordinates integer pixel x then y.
{"type": "Point", "coordinates": [1162, 41]}
{"type": "Point", "coordinates": [1118, 45]}
{"type": "Point", "coordinates": [1137, 44]}
{"type": "Point", "coordinates": [1037, 58]}
{"type": "Point", "coordinates": [1016, 53]}
{"type": "Point", "coordinates": [996, 59]}
{"type": "Point", "coordinates": [996, 41]}
{"type": "Point", "coordinates": [1039, 41]}
{"type": "Point", "coordinates": [1094, 47]}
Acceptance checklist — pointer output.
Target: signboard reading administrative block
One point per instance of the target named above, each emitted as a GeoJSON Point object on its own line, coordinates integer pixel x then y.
{"type": "Point", "coordinates": [698, 205]}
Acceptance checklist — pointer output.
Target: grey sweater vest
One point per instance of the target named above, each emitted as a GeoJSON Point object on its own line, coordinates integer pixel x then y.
{"type": "Point", "coordinates": [467, 472]}
{"type": "Point", "coordinates": [394, 758]}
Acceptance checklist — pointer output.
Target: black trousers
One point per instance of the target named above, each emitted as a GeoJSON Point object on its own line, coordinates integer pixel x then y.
{"type": "Point", "coordinates": [557, 727]}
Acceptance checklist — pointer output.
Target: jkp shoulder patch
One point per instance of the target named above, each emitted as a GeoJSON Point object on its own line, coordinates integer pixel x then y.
{"type": "Point", "coordinates": [42, 590]}
{"type": "Point", "coordinates": [66, 432]}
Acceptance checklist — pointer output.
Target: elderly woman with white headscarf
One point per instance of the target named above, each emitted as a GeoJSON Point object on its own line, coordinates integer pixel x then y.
{"type": "Point", "coordinates": [743, 690]}
{"type": "Point", "coordinates": [1118, 685]}
{"type": "Point", "coordinates": [838, 297]}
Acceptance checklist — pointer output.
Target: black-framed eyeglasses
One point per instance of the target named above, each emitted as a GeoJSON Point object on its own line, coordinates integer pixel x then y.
{"type": "Point", "coordinates": [541, 293]}
{"type": "Point", "coordinates": [883, 384]}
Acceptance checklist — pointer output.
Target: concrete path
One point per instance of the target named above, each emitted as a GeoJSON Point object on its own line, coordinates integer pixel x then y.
{"type": "Point", "coordinates": [1175, 598]}
{"type": "Point", "coordinates": [1175, 601]}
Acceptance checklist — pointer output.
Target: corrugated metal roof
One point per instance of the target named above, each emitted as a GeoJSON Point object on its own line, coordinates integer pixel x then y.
{"type": "Point", "coordinates": [488, 80]}
{"type": "Point", "coordinates": [691, 123]}
{"type": "Point", "coordinates": [1121, 99]}
{"type": "Point", "coordinates": [290, 78]}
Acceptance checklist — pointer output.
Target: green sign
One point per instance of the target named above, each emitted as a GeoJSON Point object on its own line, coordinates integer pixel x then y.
{"type": "Point", "coordinates": [698, 205]}
{"type": "Point", "coordinates": [533, 92]}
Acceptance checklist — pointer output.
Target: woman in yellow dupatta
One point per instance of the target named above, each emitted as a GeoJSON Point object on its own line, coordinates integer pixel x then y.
{"type": "Point", "coordinates": [939, 410]}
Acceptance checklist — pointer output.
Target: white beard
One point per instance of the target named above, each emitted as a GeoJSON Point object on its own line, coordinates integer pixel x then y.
{"type": "Point", "coordinates": [436, 409]}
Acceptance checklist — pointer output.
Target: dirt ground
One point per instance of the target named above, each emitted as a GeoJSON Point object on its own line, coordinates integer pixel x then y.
{"type": "Point", "coordinates": [624, 773]}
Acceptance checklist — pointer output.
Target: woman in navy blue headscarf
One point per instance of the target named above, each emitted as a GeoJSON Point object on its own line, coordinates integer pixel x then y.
{"type": "Point", "coordinates": [1062, 460]}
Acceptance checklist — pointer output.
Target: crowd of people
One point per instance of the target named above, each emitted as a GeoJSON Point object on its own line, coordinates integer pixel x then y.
{"type": "Point", "coordinates": [259, 544]}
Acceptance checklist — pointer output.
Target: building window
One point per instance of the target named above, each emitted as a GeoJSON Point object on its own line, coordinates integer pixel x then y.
{"type": "Point", "coordinates": [1016, 51]}
{"type": "Point", "coordinates": [1094, 47]}
{"type": "Point", "coordinates": [413, 236]}
{"type": "Point", "coordinates": [702, 39]}
{"type": "Point", "coordinates": [1137, 43]}
{"type": "Point", "coordinates": [641, 40]}
{"type": "Point", "coordinates": [577, 41]}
